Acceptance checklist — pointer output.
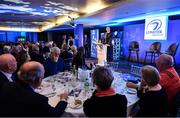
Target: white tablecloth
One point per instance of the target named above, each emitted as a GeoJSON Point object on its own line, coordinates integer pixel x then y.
{"type": "Point", "coordinates": [54, 85]}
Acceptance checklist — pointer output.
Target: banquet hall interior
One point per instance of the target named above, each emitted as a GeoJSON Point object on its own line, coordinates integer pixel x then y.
{"type": "Point", "coordinates": [90, 58]}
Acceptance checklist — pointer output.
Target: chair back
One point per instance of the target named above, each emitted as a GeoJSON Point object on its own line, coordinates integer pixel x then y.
{"type": "Point", "coordinates": [136, 70]}
{"type": "Point", "coordinates": [156, 46]}
{"type": "Point", "coordinates": [134, 45]}
{"type": "Point", "coordinates": [173, 48]}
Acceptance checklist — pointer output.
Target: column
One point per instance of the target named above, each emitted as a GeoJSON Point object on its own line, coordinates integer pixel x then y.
{"type": "Point", "coordinates": [78, 35]}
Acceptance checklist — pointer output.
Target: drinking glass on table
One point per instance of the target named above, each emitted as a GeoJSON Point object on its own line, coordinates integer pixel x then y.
{"type": "Point", "coordinates": [66, 88]}
{"type": "Point", "coordinates": [73, 82]}
{"type": "Point", "coordinates": [53, 87]}
{"type": "Point", "coordinates": [76, 94]}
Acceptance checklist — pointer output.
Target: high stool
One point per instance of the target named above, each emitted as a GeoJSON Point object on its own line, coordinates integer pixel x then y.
{"type": "Point", "coordinates": [172, 49]}
{"type": "Point", "coordinates": [154, 51]}
{"type": "Point", "coordinates": [134, 48]}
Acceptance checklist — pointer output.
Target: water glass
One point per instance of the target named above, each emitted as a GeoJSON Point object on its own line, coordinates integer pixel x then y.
{"type": "Point", "coordinates": [66, 89]}
{"type": "Point", "coordinates": [53, 87]}
{"type": "Point", "coordinates": [76, 94]}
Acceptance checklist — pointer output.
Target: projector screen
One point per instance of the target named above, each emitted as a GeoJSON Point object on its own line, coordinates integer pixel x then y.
{"type": "Point", "coordinates": [156, 28]}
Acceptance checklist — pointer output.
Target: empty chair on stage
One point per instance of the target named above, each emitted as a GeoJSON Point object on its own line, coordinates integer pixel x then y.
{"type": "Point", "coordinates": [134, 48]}
{"type": "Point", "coordinates": [172, 49]}
{"type": "Point", "coordinates": [154, 51]}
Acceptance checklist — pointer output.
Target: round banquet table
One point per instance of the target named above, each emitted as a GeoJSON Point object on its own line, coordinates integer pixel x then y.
{"type": "Point", "coordinates": [62, 82]}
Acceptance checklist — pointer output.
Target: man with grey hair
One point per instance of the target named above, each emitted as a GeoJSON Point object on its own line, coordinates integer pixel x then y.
{"type": "Point", "coordinates": [6, 49]}
{"type": "Point", "coordinates": [21, 100]}
{"type": "Point", "coordinates": [8, 66]}
{"type": "Point", "coordinates": [54, 63]}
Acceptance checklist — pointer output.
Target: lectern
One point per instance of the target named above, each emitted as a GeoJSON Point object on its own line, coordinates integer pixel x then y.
{"type": "Point", "coordinates": [102, 53]}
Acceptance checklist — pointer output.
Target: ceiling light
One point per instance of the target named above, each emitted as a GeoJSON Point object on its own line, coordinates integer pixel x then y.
{"type": "Point", "coordinates": [19, 29]}
{"type": "Point", "coordinates": [147, 15]}
{"type": "Point", "coordinates": [94, 5]}
{"type": "Point", "coordinates": [53, 24]}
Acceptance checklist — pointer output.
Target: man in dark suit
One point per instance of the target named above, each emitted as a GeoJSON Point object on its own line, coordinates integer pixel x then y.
{"type": "Point", "coordinates": [108, 40]}
{"type": "Point", "coordinates": [21, 100]}
{"type": "Point", "coordinates": [65, 54]}
{"type": "Point", "coordinates": [8, 66]}
{"type": "Point", "coordinates": [35, 55]}
{"type": "Point", "coordinates": [54, 64]}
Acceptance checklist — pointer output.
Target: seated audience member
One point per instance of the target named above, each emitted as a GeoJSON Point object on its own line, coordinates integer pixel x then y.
{"type": "Point", "coordinates": [22, 57]}
{"type": "Point", "coordinates": [6, 49]}
{"type": "Point", "coordinates": [54, 63]}
{"type": "Point", "coordinates": [169, 77]}
{"type": "Point", "coordinates": [46, 50]}
{"type": "Point", "coordinates": [79, 59]}
{"type": "Point", "coordinates": [36, 56]}
{"type": "Point", "coordinates": [8, 66]}
{"type": "Point", "coordinates": [105, 102]}
{"type": "Point", "coordinates": [70, 41]}
{"type": "Point", "coordinates": [14, 51]}
{"type": "Point", "coordinates": [21, 100]}
{"type": "Point", "coordinates": [65, 54]}
{"type": "Point", "coordinates": [41, 45]}
{"type": "Point", "coordinates": [73, 51]}
{"type": "Point", "coordinates": [72, 48]}
{"type": "Point", "coordinates": [153, 99]}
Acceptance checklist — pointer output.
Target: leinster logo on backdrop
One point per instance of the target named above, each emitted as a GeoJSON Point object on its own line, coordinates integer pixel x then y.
{"type": "Point", "coordinates": [154, 27]}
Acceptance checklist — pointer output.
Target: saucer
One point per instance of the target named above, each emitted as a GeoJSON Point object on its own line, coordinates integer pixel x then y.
{"type": "Point", "coordinates": [76, 106]}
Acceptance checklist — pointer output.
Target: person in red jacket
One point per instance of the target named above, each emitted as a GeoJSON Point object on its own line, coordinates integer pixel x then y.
{"type": "Point", "coordinates": [169, 77]}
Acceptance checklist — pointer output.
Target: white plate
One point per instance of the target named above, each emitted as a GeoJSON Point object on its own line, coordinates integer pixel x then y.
{"type": "Point", "coordinates": [131, 91]}
{"type": "Point", "coordinates": [44, 85]}
{"type": "Point", "coordinates": [52, 94]}
{"type": "Point", "coordinates": [73, 106]}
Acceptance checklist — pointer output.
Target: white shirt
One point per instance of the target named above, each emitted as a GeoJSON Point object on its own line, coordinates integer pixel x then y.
{"type": "Point", "coordinates": [8, 75]}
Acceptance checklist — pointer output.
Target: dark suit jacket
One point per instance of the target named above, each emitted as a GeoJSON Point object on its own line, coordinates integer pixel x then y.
{"type": "Point", "coordinates": [108, 38]}
{"type": "Point", "coordinates": [37, 57]}
{"type": "Point", "coordinates": [3, 79]}
{"type": "Point", "coordinates": [66, 55]}
{"type": "Point", "coordinates": [79, 62]}
{"type": "Point", "coordinates": [21, 100]}
{"type": "Point", "coordinates": [52, 68]}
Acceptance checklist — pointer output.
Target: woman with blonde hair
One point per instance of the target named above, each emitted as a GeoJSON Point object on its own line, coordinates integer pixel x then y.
{"type": "Point", "coordinates": [153, 100]}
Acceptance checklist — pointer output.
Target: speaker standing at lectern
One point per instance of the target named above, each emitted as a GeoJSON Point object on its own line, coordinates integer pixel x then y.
{"type": "Point", "coordinates": [108, 40]}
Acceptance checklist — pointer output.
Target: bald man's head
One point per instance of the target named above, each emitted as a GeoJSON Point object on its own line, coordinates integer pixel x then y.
{"type": "Point", "coordinates": [31, 73]}
{"type": "Point", "coordinates": [164, 61]}
{"type": "Point", "coordinates": [8, 63]}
